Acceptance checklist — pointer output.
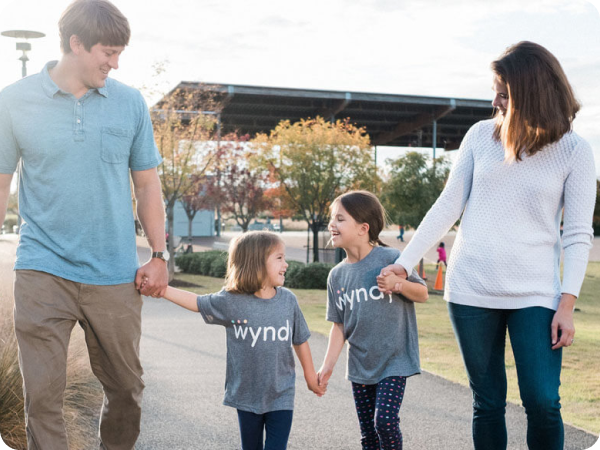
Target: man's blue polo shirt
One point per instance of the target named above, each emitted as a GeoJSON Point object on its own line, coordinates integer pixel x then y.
{"type": "Point", "coordinates": [74, 190]}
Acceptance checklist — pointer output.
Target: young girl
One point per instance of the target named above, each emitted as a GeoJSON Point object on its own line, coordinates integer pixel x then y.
{"type": "Point", "coordinates": [262, 320]}
{"type": "Point", "coordinates": [381, 330]}
{"type": "Point", "coordinates": [442, 254]}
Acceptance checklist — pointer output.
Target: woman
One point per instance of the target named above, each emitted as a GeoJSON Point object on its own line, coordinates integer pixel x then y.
{"type": "Point", "coordinates": [514, 176]}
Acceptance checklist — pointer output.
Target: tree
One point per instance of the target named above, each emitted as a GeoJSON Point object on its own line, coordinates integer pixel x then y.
{"type": "Point", "coordinates": [243, 181]}
{"type": "Point", "coordinates": [315, 161]}
{"type": "Point", "coordinates": [184, 140]}
{"type": "Point", "coordinates": [414, 185]}
{"type": "Point", "coordinates": [200, 197]}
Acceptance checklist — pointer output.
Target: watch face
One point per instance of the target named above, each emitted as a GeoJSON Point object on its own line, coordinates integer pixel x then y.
{"type": "Point", "coordinates": [166, 255]}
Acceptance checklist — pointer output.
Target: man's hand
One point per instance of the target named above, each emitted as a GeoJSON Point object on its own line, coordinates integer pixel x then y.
{"type": "Point", "coordinates": [152, 278]}
{"type": "Point", "coordinates": [381, 282]}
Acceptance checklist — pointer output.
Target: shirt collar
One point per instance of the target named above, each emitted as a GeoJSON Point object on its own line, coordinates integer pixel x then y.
{"type": "Point", "coordinates": [51, 89]}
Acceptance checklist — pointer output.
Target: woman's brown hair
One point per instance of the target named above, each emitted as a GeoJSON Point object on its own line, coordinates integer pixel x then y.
{"type": "Point", "coordinates": [365, 207]}
{"type": "Point", "coordinates": [93, 22]}
{"type": "Point", "coordinates": [541, 105]}
{"type": "Point", "coordinates": [247, 262]}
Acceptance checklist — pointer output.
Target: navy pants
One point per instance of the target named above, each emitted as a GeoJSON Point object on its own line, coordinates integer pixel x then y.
{"type": "Point", "coordinates": [481, 335]}
{"type": "Point", "coordinates": [276, 423]}
{"type": "Point", "coordinates": [378, 408]}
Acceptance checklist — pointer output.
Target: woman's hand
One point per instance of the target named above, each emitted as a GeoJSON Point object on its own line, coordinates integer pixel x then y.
{"type": "Point", "coordinates": [562, 323]}
{"type": "Point", "coordinates": [381, 281]}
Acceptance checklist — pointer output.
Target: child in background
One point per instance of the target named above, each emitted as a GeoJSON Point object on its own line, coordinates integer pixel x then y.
{"type": "Point", "coordinates": [442, 254]}
{"type": "Point", "coordinates": [381, 330]}
{"type": "Point", "coordinates": [262, 319]}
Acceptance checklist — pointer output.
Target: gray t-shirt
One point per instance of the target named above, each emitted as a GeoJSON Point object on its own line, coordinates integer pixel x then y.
{"type": "Point", "coordinates": [260, 374]}
{"type": "Point", "coordinates": [381, 330]}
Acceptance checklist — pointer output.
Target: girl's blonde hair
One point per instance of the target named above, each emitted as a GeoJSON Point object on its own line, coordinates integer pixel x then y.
{"type": "Point", "coordinates": [541, 105]}
{"type": "Point", "coordinates": [364, 207]}
{"type": "Point", "coordinates": [247, 262]}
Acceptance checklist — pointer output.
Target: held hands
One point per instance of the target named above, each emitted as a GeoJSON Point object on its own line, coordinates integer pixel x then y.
{"type": "Point", "coordinates": [323, 376]}
{"type": "Point", "coordinates": [385, 285]}
{"type": "Point", "coordinates": [312, 382]}
{"type": "Point", "coordinates": [562, 323]}
{"type": "Point", "coordinates": [390, 282]}
{"type": "Point", "coordinates": [152, 278]}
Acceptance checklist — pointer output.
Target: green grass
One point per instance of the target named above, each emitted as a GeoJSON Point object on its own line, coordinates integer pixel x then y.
{"type": "Point", "coordinates": [580, 388]}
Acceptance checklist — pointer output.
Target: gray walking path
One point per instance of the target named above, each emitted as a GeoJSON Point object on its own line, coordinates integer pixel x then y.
{"type": "Point", "coordinates": [184, 363]}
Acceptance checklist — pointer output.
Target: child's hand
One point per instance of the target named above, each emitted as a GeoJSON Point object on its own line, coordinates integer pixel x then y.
{"type": "Point", "coordinates": [312, 382]}
{"type": "Point", "coordinates": [390, 282]}
{"type": "Point", "coordinates": [323, 376]}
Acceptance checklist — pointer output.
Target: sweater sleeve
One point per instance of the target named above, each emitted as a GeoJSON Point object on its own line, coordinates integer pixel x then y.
{"type": "Point", "coordinates": [579, 201]}
{"type": "Point", "coordinates": [448, 207]}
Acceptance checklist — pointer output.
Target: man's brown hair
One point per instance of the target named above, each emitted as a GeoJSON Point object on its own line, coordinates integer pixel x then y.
{"type": "Point", "coordinates": [541, 103]}
{"type": "Point", "coordinates": [93, 22]}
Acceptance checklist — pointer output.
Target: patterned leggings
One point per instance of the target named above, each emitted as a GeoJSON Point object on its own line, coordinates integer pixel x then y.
{"type": "Point", "coordinates": [378, 408]}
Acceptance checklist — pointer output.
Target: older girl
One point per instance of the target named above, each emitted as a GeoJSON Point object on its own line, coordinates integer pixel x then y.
{"type": "Point", "coordinates": [381, 331]}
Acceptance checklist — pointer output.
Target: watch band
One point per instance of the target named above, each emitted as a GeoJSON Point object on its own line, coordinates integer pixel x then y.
{"type": "Point", "coordinates": [161, 255]}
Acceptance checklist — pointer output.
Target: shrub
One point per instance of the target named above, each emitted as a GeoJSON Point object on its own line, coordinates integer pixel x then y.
{"type": "Point", "coordinates": [211, 263]}
{"type": "Point", "coordinates": [311, 276]}
{"type": "Point", "coordinates": [294, 267]}
{"type": "Point", "coordinates": [218, 267]}
{"type": "Point", "coordinates": [596, 226]}
{"type": "Point", "coordinates": [184, 261]}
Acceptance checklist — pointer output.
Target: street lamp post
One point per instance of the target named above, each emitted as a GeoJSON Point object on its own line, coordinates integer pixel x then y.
{"type": "Point", "coordinates": [23, 47]}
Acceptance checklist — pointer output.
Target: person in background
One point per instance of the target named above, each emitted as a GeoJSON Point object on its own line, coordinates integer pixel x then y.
{"type": "Point", "coordinates": [442, 254]}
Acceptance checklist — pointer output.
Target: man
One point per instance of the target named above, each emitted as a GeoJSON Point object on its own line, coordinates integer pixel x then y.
{"type": "Point", "coordinates": [77, 135]}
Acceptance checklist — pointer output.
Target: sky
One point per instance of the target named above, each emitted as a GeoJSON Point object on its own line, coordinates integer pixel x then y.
{"type": "Point", "coordinates": [415, 47]}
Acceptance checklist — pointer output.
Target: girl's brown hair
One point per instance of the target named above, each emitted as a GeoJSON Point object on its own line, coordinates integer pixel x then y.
{"type": "Point", "coordinates": [93, 22]}
{"type": "Point", "coordinates": [364, 207]}
{"type": "Point", "coordinates": [541, 105]}
{"type": "Point", "coordinates": [247, 262]}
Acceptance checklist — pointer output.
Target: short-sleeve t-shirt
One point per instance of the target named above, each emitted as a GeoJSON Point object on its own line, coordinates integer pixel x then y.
{"type": "Point", "coordinates": [381, 330]}
{"type": "Point", "coordinates": [75, 157]}
{"type": "Point", "coordinates": [260, 375]}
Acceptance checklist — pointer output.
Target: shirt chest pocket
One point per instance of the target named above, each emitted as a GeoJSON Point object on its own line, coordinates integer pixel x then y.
{"type": "Point", "coordinates": [116, 145]}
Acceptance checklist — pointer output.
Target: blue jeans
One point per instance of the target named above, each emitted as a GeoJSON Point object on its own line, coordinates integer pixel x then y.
{"type": "Point", "coordinates": [277, 424]}
{"type": "Point", "coordinates": [481, 335]}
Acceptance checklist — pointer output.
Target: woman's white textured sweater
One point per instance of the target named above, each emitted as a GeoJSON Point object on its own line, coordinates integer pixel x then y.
{"type": "Point", "coordinates": [507, 250]}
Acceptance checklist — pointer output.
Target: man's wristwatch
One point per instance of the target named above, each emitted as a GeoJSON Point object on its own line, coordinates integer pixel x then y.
{"type": "Point", "coordinates": [164, 255]}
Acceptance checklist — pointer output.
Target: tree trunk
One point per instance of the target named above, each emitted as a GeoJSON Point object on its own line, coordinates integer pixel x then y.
{"type": "Point", "coordinates": [171, 240]}
{"type": "Point", "coordinates": [315, 230]}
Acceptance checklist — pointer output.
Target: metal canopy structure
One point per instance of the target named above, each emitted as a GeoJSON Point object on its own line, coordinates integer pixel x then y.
{"type": "Point", "coordinates": [389, 119]}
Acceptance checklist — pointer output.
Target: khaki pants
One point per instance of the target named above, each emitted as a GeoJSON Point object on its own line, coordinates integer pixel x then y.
{"type": "Point", "coordinates": [47, 308]}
